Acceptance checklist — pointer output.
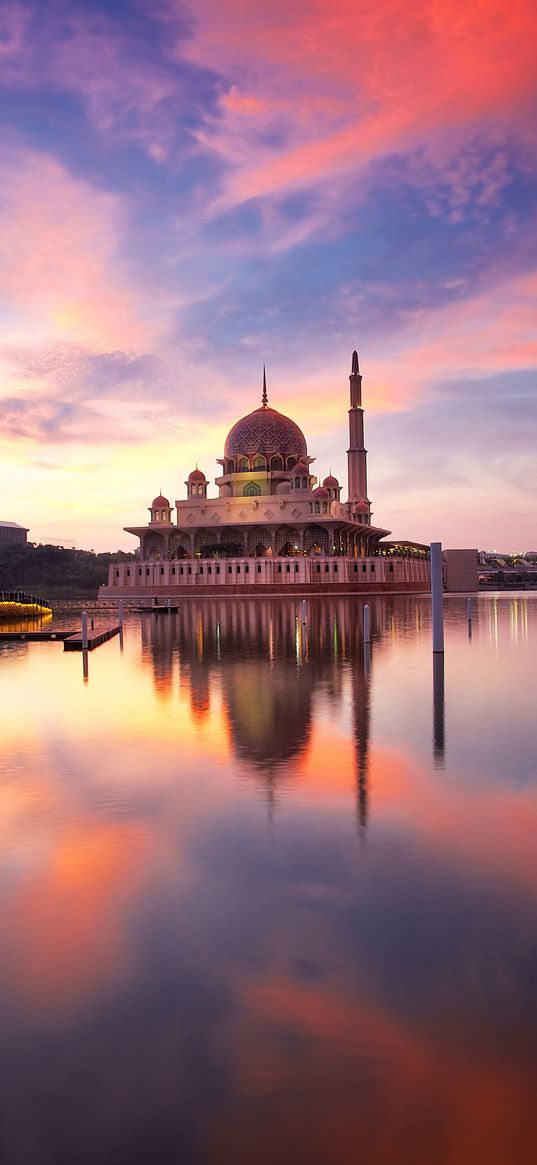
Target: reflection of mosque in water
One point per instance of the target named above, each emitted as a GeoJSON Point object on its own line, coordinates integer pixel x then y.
{"type": "Point", "coordinates": [269, 669]}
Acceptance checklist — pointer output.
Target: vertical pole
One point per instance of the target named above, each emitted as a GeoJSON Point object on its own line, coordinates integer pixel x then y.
{"type": "Point", "coordinates": [436, 596]}
{"type": "Point", "coordinates": [120, 612]}
{"type": "Point", "coordinates": [439, 721]}
{"type": "Point", "coordinates": [367, 660]}
{"type": "Point", "coordinates": [84, 631]}
{"type": "Point", "coordinates": [304, 610]}
{"type": "Point", "coordinates": [367, 634]}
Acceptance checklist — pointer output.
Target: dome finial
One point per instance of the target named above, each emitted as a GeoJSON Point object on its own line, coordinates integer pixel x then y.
{"type": "Point", "coordinates": [264, 398]}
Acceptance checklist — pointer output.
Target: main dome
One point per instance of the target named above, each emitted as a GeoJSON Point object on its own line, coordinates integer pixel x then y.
{"type": "Point", "coordinates": [265, 431]}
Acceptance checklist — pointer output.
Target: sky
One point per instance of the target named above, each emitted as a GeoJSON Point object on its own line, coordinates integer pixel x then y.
{"type": "Point", "coordinates": [190, 190]}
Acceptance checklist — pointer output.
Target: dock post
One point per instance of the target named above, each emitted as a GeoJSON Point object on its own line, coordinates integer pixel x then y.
{"type": "Point", "coordinates": [439, 722]}
{"type": "Point", "coordinates": [367, 631]}
{"type": "Point", "coordinates": [120, 612]}
{"type": "Point", "coordinates": [84, 631]}
{"type": "Point", "coordinates": [437, 596]}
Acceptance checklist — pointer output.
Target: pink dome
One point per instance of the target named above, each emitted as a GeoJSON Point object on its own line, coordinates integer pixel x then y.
{"type": "Point", "coordinates": [299, 468]}
{"type": "Point", "coordinates": [160, 503]}
{"type": "Point", "coordinates": [267, 432]}
{"type": "Point", "coordinates": [331, 481]}
{"type": "Point", "coordinates": [321, 492]}
{"type": "Point", "coordinates": [197, 475]}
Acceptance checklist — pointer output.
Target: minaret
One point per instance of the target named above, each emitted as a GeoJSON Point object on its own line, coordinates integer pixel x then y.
{"type": "Point", "coordinates": [356, 453]}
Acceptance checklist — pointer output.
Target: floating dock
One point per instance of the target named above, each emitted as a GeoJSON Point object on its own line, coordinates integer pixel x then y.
{"type": "Point", "coordinates": [33, 636]}
{"type": "Point", "coordinates": [165, 609]}
{"type": "Point", "coordinates": [72, 640]}
{"type": "Point", "coordinates": [95, 638]}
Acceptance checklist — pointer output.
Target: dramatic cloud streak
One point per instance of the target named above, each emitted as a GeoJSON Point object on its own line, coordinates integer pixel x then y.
{"type": "Point", "coordinates": [189, 191]}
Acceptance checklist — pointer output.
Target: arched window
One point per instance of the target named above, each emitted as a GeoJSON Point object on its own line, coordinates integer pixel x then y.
{"type": "Point", "coordinates": [251, 490]}
{"type": "Point", "coordinates": [242, 464]}
{"type": "Point", "coordinates": [290, 462]}
{"type": "Point", "coordinates": [316, 507]}
{"type": "Point", "coordinates": [304, 483]}
{"type": "Point", "coordinates": [157, 515]}
{"type": "Point", "coordinates": [259, 462]}
{"type": "Point", "coordinates": [277, 462]}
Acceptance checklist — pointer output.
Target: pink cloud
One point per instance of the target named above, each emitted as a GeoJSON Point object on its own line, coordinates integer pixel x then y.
{"type": "Point", "coordinates": [60, 267]}
{"type": "Point", "coordinates": [355, 81]}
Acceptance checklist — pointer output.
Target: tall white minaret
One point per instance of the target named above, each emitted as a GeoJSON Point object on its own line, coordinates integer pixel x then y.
{"type": "Point", "coordinates": [356, 453]}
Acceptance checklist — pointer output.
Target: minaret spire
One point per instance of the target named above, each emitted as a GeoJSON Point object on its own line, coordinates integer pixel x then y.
{"type": "Point", "coordinates": [356, 453]}
{"type": "Point", "coordinates": [264, 398]}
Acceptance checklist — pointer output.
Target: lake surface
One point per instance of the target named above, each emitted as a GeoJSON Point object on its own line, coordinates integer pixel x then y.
{"type": "Point", "coordinates": [267, 898]}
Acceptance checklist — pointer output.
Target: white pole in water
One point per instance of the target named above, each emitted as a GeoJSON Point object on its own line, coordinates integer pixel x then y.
{"type": "Point", "coordinates": [84, 631]}
{"type": "Point", "coordinates": [469, 609]}
{"type": "Point", "coordinates": [437, 596]}
{"type": "Point", "coordinates": [304, 610]}
{"type": "Point", "coordinates": [367, 634]}
{"type": "Point", "coordinates": [120, 612]}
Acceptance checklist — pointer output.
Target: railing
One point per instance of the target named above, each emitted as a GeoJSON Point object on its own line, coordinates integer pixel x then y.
{"type": "Point", "coordinates": [23, 597]}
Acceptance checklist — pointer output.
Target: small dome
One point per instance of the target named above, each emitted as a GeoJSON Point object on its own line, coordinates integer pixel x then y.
{"type": "Point", "coordinates": [320, 492]}
{"type": "Point", "coordinates": [160, 502]}
{"type": "Point", "coordinates": [331, 481]}
{"type": "Point", "coordinates": [265, 431]}
{"type": "Point", "coordinates": [299, 468]}
{"type": "Point", "coordinates": [197, 475]}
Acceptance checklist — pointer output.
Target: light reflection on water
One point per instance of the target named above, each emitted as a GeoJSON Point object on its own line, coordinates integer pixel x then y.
{"type": "Point", "coordinates": [266, 896]}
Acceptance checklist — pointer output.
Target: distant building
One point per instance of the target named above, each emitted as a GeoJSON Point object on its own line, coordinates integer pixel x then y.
{"type": "Point", "coordinates": [460, 570]}
{"type": "Point", "coordinates": [11, 534]}
{"type": "Point", "coordinates": [272, 525]}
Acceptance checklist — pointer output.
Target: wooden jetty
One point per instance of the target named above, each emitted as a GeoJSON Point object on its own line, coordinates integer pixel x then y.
{"type": "Point", "coordinates": [167, 608]}
{"type": "Point", "coordinates": [72, 640]}
{"type": "Point", "coordinates": [34, 636]}
{"type": "Point", "coordinates": [94, 639]}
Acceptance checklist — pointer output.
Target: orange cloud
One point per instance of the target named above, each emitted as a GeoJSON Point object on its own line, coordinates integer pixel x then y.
{"type": "Point", "coordinates": [352, 1072]}
{"type": "Point", "coordinates": [66, 933]}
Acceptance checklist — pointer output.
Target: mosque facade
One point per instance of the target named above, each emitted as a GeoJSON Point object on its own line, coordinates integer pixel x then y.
{"type": "Point", "coordinates": [273, 524]}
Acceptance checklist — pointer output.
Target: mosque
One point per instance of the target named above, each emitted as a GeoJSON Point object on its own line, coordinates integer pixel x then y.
{"type": "Point", "coordinates": [272, 525]}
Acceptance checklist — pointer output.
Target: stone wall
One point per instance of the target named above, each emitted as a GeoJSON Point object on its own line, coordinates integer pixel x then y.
{"type": "Point", "coordinates": [269, 576]}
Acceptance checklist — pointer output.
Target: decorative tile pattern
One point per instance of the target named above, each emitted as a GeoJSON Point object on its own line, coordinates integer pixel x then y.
{"type": "Point", "coordinates": [267, 432]}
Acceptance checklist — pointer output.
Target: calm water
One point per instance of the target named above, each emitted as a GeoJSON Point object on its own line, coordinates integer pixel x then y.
{"type": "Point", "coordinates": [267, 900]}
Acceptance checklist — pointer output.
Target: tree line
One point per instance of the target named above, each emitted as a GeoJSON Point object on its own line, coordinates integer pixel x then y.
{"type": "Point", "coordinates": [55, 571]}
